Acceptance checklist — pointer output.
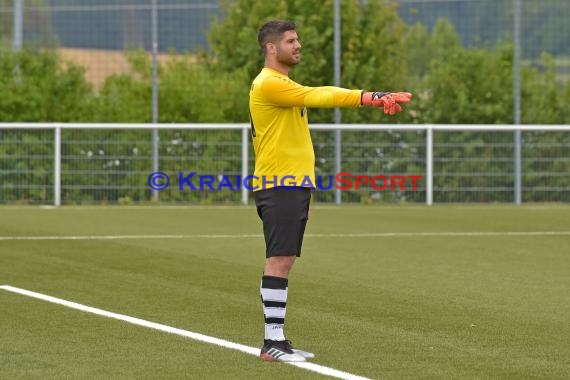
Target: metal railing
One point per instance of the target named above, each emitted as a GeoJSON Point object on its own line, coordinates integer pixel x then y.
{"type": "Point", "coordinates": [103, 163]}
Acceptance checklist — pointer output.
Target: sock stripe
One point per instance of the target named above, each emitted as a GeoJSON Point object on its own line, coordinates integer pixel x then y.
{"type": "Point", "coordinates": [270, 282]}
{"type": "Point", "coordinates": [275, 295]}
{"type": "Point", "coordinates": [274, 312]}
{"type": "Point", "coordinates": [274, 304]}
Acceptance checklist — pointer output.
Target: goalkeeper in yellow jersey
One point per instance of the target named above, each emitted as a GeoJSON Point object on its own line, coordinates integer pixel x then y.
{"type": "Point", "coordinates": [284, 160]}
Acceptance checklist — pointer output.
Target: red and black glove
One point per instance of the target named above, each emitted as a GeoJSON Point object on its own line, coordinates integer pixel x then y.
{"type": "Point", "coordinates": [390, 101]}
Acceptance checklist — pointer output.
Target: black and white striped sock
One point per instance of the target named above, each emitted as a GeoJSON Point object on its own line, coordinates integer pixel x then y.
{"type": "Point", "coordinates": [274, 298]}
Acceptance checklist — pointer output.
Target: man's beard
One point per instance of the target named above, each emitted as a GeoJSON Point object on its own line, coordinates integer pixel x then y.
{"type": "Point", "coordinates": [288, 59]}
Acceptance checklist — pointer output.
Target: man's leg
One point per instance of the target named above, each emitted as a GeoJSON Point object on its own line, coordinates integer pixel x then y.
{"type": "Point", "coordinates": [284, 214]}
{"type": "Point", "coordinates": [279, 266]}
{"type": "Point", "coordinates": [274, 284]}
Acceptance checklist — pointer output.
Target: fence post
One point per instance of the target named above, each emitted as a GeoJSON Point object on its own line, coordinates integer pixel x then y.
{"type": "Point", "coordinates": [57, 166]}
{"type": "Point", "coordinates": [244, 162]}
{"type": "Point", "coordinates": [337, 113]}
{"type": "Point", "coordinates": [155, 138]}
{"type": "Point", "coordinates": [429, 166]}
{"type": "Point", "coordinates": [18, 39]}
{"type": "Point", "coordinates": [517, 102]}
{"type": "Point", "coordinates": [518, 168]}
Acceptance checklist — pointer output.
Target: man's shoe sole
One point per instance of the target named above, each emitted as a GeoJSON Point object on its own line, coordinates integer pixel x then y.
{"type": "Point", "coordinates": [270, 358]}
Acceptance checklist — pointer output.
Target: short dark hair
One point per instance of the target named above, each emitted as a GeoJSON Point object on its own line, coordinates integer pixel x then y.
{"type": "Point", "coordinates": [272, 30]}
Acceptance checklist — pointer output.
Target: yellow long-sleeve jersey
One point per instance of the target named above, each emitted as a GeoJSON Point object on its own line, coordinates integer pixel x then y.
{"type": "Point", "coordinates": [284, 154]}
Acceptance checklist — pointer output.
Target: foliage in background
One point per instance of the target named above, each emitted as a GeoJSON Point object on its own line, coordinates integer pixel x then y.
{"type": "Point", "coordinates": [202, 93]}
{"type": "Point", "coordinates": [39, 86]}
{"type": "Point", "coordinates": [451, 83]}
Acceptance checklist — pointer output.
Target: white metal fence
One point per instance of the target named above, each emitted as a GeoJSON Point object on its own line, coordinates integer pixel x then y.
{"type": "Point", "coordinates": [54, 163]}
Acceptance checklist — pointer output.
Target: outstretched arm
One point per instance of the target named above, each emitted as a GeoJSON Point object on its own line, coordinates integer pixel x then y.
{"type": "Point", "coordinates": [288, 93]}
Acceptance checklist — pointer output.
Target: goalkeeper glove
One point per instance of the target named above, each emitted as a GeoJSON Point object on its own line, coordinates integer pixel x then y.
{"type": "Point", "coordinates": [389, 100]}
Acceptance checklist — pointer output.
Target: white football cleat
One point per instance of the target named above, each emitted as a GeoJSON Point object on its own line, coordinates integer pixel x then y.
{"type": "Point", "coordinates": [281, 351]}
{"type": "Point", "coordinates": [305, 354]}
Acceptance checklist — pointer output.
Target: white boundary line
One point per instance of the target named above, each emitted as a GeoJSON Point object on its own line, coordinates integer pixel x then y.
{"type": "Point", "coordinates": [173, 330]}
{"type": "Point", "coordinates": [246, 236]}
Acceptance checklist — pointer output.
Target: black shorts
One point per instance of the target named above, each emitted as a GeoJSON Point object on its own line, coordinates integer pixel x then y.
{"type": "Point", "coordinates": [284, 213]}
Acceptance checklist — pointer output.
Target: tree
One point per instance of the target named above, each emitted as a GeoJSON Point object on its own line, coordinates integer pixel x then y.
{"type": "Point", "coordinates": [542, 95]}
{"type": "Point", "coordinates": [39, 86]}
{"type": "Point", "coordinates": [36, 86]}
{"type": "Point", "coordinates": [198, 92]}
{"type": "Point", "coordinates": [371, 50]}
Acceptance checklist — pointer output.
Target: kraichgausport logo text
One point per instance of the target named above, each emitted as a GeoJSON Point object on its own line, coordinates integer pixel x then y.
{"type": "Point", "coordinates": [342, 181]}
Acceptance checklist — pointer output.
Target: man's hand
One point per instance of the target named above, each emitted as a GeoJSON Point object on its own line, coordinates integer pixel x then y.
{"type": "Point", "coordinates": [390, 101]}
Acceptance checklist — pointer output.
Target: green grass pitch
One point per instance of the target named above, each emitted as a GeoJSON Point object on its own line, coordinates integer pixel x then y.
{"type": "Point", "coordinates": [435, 300]}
